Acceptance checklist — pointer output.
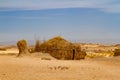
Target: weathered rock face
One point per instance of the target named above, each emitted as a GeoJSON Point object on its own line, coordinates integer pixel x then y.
{"type": "Point", "coordinates": [22, 46]}
{"type": "Point", "coordinates": [62, 49]}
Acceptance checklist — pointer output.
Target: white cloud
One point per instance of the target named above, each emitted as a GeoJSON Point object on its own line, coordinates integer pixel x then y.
{"type": "Point", "coordinates": [104, 5]}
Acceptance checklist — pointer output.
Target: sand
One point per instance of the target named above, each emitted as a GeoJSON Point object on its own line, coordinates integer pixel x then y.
{"type": "Point", "coordinates": [34, 68]}
{"type": "Point", "coordinates": [9, 51]}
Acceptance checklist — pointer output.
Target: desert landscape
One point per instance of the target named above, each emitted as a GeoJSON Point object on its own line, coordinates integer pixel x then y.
{"type": "Point", "coordinates": [59, 40]}
{"type": "Point", "coordinates": [97, 65]}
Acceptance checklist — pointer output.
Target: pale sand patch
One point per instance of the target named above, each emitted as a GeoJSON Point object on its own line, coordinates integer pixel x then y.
{"type": "Point", "coordinates": [31, 68]}
{"type": "Point", "coordinates": [10, 51]}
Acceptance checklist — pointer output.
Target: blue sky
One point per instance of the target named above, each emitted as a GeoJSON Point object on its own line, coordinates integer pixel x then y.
{"type": "Point", "coordinates": [82, 20]}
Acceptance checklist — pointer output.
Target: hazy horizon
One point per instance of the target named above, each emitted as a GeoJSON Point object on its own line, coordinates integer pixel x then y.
{"type": "Point", "coordinates": [91, 21]}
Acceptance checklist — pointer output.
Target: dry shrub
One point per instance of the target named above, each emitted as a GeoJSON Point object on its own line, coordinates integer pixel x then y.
{"type": "Point", "coordinates": [62, 49]}
{"type": "Point", "coordinates": [31, 50]}
{"type": "Point", "coordinates": [3, 49]}
{"type": "Point", "coordinates": [37, 46]}
{"type": "Point", "coordinates": [45, 58]}
{"type": "Point", "coordinates": [22, 46]}
{"type": "Point", "coordinates": [117, 52]}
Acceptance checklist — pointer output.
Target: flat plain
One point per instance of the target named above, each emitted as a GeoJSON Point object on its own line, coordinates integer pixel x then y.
{"type": "Point", "coordinates": [42, 66]}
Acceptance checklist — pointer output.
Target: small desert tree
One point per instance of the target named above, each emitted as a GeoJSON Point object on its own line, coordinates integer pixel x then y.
{"type": "Point", "coordinates": [22, 46]}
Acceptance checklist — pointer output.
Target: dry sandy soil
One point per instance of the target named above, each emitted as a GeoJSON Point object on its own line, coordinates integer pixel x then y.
{"type": "Point", "coordinates": [35, 68]}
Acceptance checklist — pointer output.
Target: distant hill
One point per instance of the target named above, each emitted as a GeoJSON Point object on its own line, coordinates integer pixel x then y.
{"type": "Point", "coordinates": [117, 45]}
{"type": "Point", "coordinates": [29, 42]}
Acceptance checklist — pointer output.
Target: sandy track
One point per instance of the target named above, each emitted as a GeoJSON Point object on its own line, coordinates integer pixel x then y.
{"type": "Point", "coordinates": [31, 68]}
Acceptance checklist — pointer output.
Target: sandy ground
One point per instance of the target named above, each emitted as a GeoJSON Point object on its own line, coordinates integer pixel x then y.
{"type": "Point", "coordinates": [10, 51]}
{"type": "Point", "coordinates": [33, 68]}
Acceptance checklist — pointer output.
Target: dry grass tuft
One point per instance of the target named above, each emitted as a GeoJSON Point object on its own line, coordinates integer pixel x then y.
{"type": "Point", "coordinates": [22, 46]}
{"type": "Point", "coordinates": [37, 46]}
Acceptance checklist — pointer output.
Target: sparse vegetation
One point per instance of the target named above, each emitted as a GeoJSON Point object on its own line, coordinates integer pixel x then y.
{"type": "Point", "coordinates": [56, 47]}
{"type": "Point", "coordinates": [100, 54]}
{"type": "Point", "coordinates": [62, 49]}
{"type": "Point", "coordinates": [3, 49]}
{"type": "Point", "coordinates": [31, 50]}
{"type": "Point", "coordinates": [37, 46]}
{"type": "Point", "coordinates": [117, 52]}
{"type": "Point", "coordinates": [45, 58]}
